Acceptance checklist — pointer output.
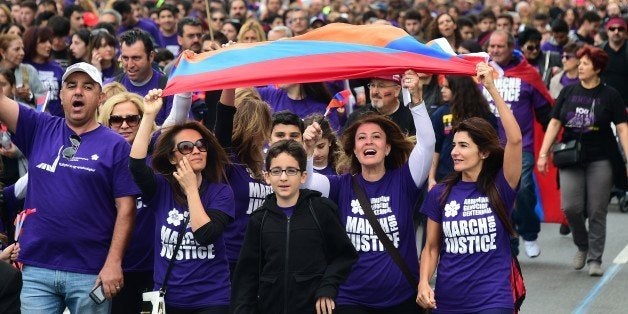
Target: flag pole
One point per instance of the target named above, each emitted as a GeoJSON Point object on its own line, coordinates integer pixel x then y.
{"type": "Point", "coordinates": [209, 21]}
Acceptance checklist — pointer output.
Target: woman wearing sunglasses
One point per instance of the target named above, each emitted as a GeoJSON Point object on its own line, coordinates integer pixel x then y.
{"type": "Point", "coordinates": [547, 63]}
{"type": "Point", "coordinates": [187, 194]}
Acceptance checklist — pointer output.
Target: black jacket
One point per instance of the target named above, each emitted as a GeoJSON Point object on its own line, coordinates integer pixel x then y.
{"type": "Point", "coordinates": [302, 258]}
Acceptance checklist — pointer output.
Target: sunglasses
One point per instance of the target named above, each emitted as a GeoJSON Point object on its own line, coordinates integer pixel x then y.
{"type": "Point", "coordinates": [187, 147]}
{"type": "Point", "coordinates": [616, 29]}
{"type": "Point", "coordinates": [567, 56]}
{"type": "Point", "coordinates": [70, 152]}
{"type": "Point", "coordinates": [131, 120]}
{"type": "Point", "coordinates": [532, 47]}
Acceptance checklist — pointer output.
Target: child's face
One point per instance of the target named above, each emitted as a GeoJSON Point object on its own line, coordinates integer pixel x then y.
{"type": "Point", "coordinates": [286, 186]}
{"type": "Point", "coordinates": [321, 153]}
{"type": "Point", "coordinates": [285, 132]}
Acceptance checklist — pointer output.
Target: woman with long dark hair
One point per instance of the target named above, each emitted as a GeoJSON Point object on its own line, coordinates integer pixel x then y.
{"type": "Point", "coordinates": [186, 190]}
{"type": "Point", "coordinates": [463, 100]}
{"type": "Point", "coordinates": [101, 53]}
{"type": "Point", "coordinates": [445, 26]}
{"type": "Point", "coordinates": [389, 169]}
{"type": "Point", "coordinates": [38, 48]}
{"type": "Point", "coordinates": [468, 228]}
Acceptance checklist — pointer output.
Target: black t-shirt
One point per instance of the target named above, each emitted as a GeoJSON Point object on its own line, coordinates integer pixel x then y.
{"type": "Point", "coordinates": [579, 114]}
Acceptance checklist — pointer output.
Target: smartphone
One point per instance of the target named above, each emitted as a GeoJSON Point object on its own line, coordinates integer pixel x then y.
{"type": "Point", "coordinates": [98, 295]}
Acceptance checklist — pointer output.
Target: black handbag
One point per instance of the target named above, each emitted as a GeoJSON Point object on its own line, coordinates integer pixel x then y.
{"type": "Point", "coordinates": [567, 154]}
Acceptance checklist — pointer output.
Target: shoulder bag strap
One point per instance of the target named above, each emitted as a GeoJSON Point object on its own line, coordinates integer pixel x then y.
{"type": "Point", "coordinates": [381, 235]}
{"type": "Point", "coordinates": [174, 254]}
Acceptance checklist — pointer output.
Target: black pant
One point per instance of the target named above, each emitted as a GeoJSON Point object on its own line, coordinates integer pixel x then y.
{"type": "Point", "coordinates": [129, 299]}
{"type": "Point", "coordinates": [218, 309]}
{"type": "Point", "coordinates": [406, 307]}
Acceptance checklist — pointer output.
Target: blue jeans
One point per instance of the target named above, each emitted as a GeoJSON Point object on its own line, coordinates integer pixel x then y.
{"type": "Point", "coordinates": [526, 220]}
{"type": "Point", "coordinates": [51, 291]}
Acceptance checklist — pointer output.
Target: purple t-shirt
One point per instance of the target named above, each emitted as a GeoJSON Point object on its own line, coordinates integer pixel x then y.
{"type": "Point", "coordinates": [50, 74]}
{"type": "Point", "coordinates": [522, 99]}
{"type": "Point", "coordinates": [475, 257]}
{"type": "Point", "coordinates": [154, 82]}
{"type": "Point", "coordinates": [279, 100]}
{"type": "Point", "coordinates": [328, 170]}
{"type": "Point", "coordinates": [147, 26]}
{"type": "Point", "coordinates": [375, 280]}
{"type": "Point", "coordinates": [75, 199]}
{"type": "Point", "coordinates": [566, 81]}
{"type": "Point", "coordinates": [200, 275]}
{"type": "Point", "coordinates": [171, 43]}
{"type": "Point", "coordinates": [139, 253]}
{"type": "Point", "coordinates": [551, 45]}
{"type": "Point", "coordinates": [249, 195]}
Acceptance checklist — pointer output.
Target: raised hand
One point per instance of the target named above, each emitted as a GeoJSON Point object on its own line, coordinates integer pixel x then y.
{"type": "Point", "coordinates": [485, 74]}
{"type": "Point", "coordinates": [153, 101]}
{"type": "Point", "coordinates": [312, 134]}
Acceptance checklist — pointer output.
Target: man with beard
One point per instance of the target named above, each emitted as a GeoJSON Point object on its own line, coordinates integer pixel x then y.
{"type": "Point", "coordinates": [238, 10]}
{"type": "Point", "coordinates": [617, 69]}
{"type": "Point", "coordinates": [384, 92]}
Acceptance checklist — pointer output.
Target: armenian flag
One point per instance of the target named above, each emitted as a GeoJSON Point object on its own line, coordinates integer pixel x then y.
{"type": "Point", "coordinates": [333, 52]}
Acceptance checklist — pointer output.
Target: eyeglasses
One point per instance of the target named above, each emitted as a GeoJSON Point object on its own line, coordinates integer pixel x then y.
{"type": "Point", "coordinates": [616, 29]}
{"type": "Point", "coordinates": [97, 31]}
{"type": "Point", "coordinates": [380, 86]}
{"type": "Point", "coordinates": [567, 56]}
{"type": "Point", "coordinates": [187, 147]}
{"type": "Point", "coordinates": [131, 120]}
{"type": "Point", "coordinates": [276, 172]}
{"type": "Point", "coordinates": [216, 19]}
{"type": "Point", "coordinates": [70, 152]}
{"type": "Point", "coordinates": [532, 47]}
{"type": "Point", "coordinates": [192, 36]}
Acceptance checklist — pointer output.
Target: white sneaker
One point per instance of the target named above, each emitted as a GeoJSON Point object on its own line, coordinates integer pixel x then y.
{"type": "Point", "coordinates": [532, 248]}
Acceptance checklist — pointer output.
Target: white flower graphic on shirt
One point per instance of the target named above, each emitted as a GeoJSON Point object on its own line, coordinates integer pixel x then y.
{"type": "Point", "coordinates": [451, 209]}
{"type": "Point", "coordinates": [356, 208]}
{"type": "Point", "coordinates": [95, 157]}
{"type": "Point", "coordinates": [174, 217]}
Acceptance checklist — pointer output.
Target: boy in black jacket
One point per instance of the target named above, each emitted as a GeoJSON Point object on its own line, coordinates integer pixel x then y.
{"type": "Point", "coordinates": [295, 252]}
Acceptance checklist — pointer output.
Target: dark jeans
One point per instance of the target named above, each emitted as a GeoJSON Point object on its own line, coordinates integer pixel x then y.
{"type": "Point", "coordinates": [526, 220]}
{"type": "Point", "coordinates": [129, 300]}
{"type": "Point", "coordinates": [407, 307]}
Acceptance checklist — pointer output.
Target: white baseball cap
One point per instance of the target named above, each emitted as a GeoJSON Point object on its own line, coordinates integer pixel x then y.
{"type": "Point", "coordinates": [86, 68]}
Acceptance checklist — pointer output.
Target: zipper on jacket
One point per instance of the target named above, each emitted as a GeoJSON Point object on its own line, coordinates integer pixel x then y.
{"type": "Point", "coordinates": [286, 278]}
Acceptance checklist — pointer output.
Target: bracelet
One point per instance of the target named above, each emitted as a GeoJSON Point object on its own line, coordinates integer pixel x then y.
{"type": "Point", "coordinates": [542, 155]}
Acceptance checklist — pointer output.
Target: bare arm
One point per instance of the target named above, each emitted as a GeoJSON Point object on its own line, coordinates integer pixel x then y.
{"type": "Point", "coordinates": [548, 139]}
{"type": "Point", "coordinates": [513, 150]}
{"type": "Point", "coordinates": [429, 261]}
{"type": "Point", "coordinates": [622, 131]}
{"type": "Point", "coordinates": [111, 273]}
{"type": "Point", "coordinates": [9, 110]}
{"type": "Point", "coordinates": [432, 176]}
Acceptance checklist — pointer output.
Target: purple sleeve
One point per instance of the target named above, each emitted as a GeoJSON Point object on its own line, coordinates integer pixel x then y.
{"type": "Point", "coordinates": [123, 184]}
{"type": "Point", "coordinates": [28, 123]}
{"type": "Point", "coordinates": [222, 200]}
{"type": "Point", "coordinates": [538, 100]}
{"type": "Point", "coordinates": [431, 206]}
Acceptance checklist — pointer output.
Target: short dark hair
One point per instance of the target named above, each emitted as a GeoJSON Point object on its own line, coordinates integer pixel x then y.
{"type": "Point", "coordinates": [528, 34]}
{"type": "Point", "coordinates": [67, 11]}
{"type": "Point", "coordinates": [218, 37]}
{"type": "Point", "coordinates": [9, 75]}
{"type": "Point", "coordinates": [290, 147]}
{"type": "Point", "coordinates": [107, 26]}
{"type": "Point", "coordinates": [506, 16]}
{"type": "Point", "coordinates": [559, 26]}
{"type": "Point", "coordinates": [413, 15]}
{"type": "Point", "coordinates": [168, 7]}
{"type": "Point", "coordinates": [288, 118]}
{"type": "Point", "coordinates": [60, 26]}
{"type": "Point", "coordinates": [132, 36]}
{"type": "Point", "coordinates": [29, 4]}
{"type": "Point", "coordinates": [591, 17]}
{"type": "Point", "coordinates": [191, 21]}
{"type": "Point", "coordinates": [163, 54]}
{"type": "Point", "coordinates": [464, 21]}
{"type": "Point", "coordinates": [43, 17]}
{"type": "Point", "coordinates": [122, 7]}
{"type": "Point", "coordinates": [486, 14]}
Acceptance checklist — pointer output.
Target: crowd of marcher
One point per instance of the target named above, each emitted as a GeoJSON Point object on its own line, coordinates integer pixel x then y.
{"type": "Point", "coordinates": [257, 200]}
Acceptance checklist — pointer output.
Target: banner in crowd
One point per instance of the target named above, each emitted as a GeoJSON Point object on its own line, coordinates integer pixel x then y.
{"type": "Point", "coordinates": [333, 52]}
